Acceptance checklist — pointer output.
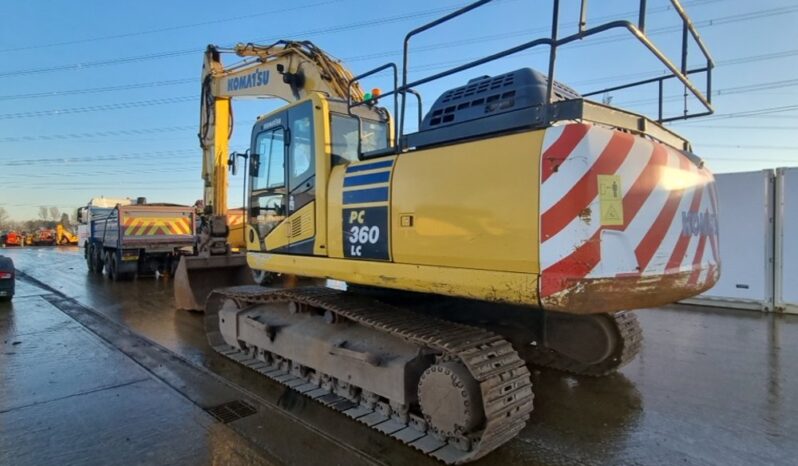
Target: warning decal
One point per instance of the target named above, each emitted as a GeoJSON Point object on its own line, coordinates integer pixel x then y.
{"type": "Point", "coordinates": [610, 199]}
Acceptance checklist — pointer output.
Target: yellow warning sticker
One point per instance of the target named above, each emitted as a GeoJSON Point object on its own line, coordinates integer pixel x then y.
{"type": "Point", "coordinates": [610, 199]}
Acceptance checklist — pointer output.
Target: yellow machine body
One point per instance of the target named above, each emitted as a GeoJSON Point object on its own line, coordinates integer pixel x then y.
{"type": "Point", "coordinates": [444, 236]}
{"type": "Point", "coordinates": [464, 219]}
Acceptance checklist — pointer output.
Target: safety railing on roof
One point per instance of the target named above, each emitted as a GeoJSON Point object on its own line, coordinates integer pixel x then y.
{"type": "Point", "coordinates": [554, 41]}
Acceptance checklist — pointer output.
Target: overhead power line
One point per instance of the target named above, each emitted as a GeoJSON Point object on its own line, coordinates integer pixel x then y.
{"type": "Point", "coordinates": [176, 53]}
{"type": "Point", "coordinates": [96, 134]}
{"type": "Point", "coordinates": [135, 132]}
{"type": "Point", "coordinates": [95, 90]}
{"type": "Point", "coordinates": [174, 100]}
{"type": "Point", "coordinates": [425, 67]}
{"type": "Point", "coordinates": [389, 53]}
{"type": "Point", "coordinates": [97, 108]}
{"type": "Point", "coordinates": [99, 158]}
{"type": "Point", "coordinates": [115, 132]}
{"type": "Point", "coordinates": [749, 127]}
{"type": "Point", "coordinates": [721, 92]}
{"type": "Point", "coordinates": [603, 40]}
{"type": "Point", "coordinates": [748, 113]}
{"type": "Point", "coordinates": [148, 167]}
{"type": "Point", "coordinates": [748, 160]}
{"type": "Point", "coordinates": [757, 112]}
{"type": "Point", "coordinates": [100, 63]}
{"type": "Point", "coordinates": [327, 30]}
{"type": "Point", "coordinates": [749, 146]}
{"type": "Point", "coordinates": [165, 29]}
{"type": "Point", "coordinates": [181, 152]}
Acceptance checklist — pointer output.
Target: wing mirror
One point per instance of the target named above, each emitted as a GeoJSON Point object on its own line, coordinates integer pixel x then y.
{"type": "Point", "coordinates": [232, 160]}
{"type": "Point", "coordinates": [232, 163]}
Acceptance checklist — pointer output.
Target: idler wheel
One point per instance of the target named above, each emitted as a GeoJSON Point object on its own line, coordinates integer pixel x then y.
{"type": "Point", "coordinates": [450, 399]}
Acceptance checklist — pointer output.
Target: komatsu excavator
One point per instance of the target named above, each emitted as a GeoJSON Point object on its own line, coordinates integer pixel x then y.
{"type": "Point", "coordinates": [519, 224]}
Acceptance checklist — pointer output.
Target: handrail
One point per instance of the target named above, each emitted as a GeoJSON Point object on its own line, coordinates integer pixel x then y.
{"type": "Point", "coordinates": [419, 30]}
{"type": "Point", "coordinates": [350, 105]}
{"type": "Point", "coordinates": [680, 72]}
{"type": "Point", "coordinates": [420, 108]}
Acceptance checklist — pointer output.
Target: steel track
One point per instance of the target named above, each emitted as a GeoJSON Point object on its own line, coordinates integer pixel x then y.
{"type": "Point", "coordinates": [502, 375]}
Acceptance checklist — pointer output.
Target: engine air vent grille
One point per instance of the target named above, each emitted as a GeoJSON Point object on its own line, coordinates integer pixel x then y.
{"type": "Point", "coordinates": [488, 95]}
{"type": "Point", "coordinates": [296, 227]}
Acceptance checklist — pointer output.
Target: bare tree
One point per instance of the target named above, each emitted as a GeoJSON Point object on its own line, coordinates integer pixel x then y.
{"type": "Point", "coordinates": [43, 213]}
{"type": "Point", "coordinates": [55, 213]}
{"type": "Point", "coordinates": [3, 218]}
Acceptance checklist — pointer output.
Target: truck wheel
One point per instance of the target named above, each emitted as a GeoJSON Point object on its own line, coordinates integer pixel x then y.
{"type": "Point", "coordinates": [97, 257]}
{"type": "Point", "coordinates": [110, 266]}
{"type": "Point", "coordinates": [118, 276]}
{"type": "Point", "coordinates": [89, 254]}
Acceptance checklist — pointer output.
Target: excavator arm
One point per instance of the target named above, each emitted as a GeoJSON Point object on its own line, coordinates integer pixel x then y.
{"type": "Point", "coordinates": [286, 70]}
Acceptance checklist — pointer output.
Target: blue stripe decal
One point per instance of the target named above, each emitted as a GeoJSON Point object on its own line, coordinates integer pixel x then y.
{"type": "Point", "coordinates": [366, 195]}
{"type": "Point", "coordinates": [371, 178]}
{"type": "Point", "coordinates": [369, 166]}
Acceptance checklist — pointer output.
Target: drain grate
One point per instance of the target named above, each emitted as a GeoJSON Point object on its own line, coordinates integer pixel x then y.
{"type": "Point", "coordinates": [231, 411]}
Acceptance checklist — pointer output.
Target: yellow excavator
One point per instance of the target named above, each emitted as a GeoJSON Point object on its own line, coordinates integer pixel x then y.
{"type": "Point", "coordinates": [64, 236]}
{"type": "Point", "coordinates": [412, 276]}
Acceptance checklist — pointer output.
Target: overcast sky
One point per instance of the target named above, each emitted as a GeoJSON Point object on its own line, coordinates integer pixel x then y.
{"type": "Point", "coordinates": [101, 98]}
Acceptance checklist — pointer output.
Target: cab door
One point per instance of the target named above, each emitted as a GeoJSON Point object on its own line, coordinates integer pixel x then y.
{"type": "Point", "coordinates": [283, 185]}
{"type": "Point", "coordinates": [267, 206]}
{"type": "Point", "coordinates": [301, 222]}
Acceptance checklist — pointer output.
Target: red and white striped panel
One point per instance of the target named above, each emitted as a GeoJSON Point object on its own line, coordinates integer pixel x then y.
{"type": "Point", "coordinates": [664, 247]}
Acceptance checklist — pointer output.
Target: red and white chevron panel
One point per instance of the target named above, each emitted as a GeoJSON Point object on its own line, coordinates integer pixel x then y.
{"type": "Point", "coordinates": [656, 244]}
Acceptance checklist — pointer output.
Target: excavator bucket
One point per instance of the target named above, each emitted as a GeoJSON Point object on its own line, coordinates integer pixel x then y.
{"type": "Point", "coordinates": [196, 277]}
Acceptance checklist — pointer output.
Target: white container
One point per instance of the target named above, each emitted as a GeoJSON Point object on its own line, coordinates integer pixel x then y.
{"type": "Point", "coordinates": [786, 264]}
{"type": "Point", "coordinates": [745, 217]}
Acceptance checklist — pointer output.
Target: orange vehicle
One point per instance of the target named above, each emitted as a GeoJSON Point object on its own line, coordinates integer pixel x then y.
{"type": "Point", "coordinates": [13, 239]}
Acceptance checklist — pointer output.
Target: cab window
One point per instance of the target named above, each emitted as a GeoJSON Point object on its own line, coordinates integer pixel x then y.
{"type": "Point", "coordinates": [344, 138]}
{"type": "Point", "coordinates": [374, 136]}
{"type": "Point", "coordinates": [300, 150]}
{"type": "Point", "coordinates": [270, 146]}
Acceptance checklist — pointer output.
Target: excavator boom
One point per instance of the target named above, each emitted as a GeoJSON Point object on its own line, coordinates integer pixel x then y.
{"type": "Point", "coordinates": [286, 70]}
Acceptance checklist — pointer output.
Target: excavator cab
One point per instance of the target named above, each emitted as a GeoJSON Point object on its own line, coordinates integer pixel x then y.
{"type": "Point", "coordinates": [293, 151]}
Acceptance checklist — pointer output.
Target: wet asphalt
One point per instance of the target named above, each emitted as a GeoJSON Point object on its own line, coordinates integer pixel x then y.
{"type": "Point", "coordinates": [111, 373]}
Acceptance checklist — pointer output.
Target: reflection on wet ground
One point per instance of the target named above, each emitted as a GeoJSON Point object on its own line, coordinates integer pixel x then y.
{"type": "Point", "coordinates": [63, 392]}
{"type": "Point", "coordinates": [710, 387]}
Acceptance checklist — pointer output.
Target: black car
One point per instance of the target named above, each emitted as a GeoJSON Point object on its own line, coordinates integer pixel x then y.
{"type": "Point", "coordinates": [6, 278]}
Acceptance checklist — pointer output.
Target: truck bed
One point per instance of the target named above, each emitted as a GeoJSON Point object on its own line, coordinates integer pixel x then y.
{"type": "Point", "coordinates": [146, 226]}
